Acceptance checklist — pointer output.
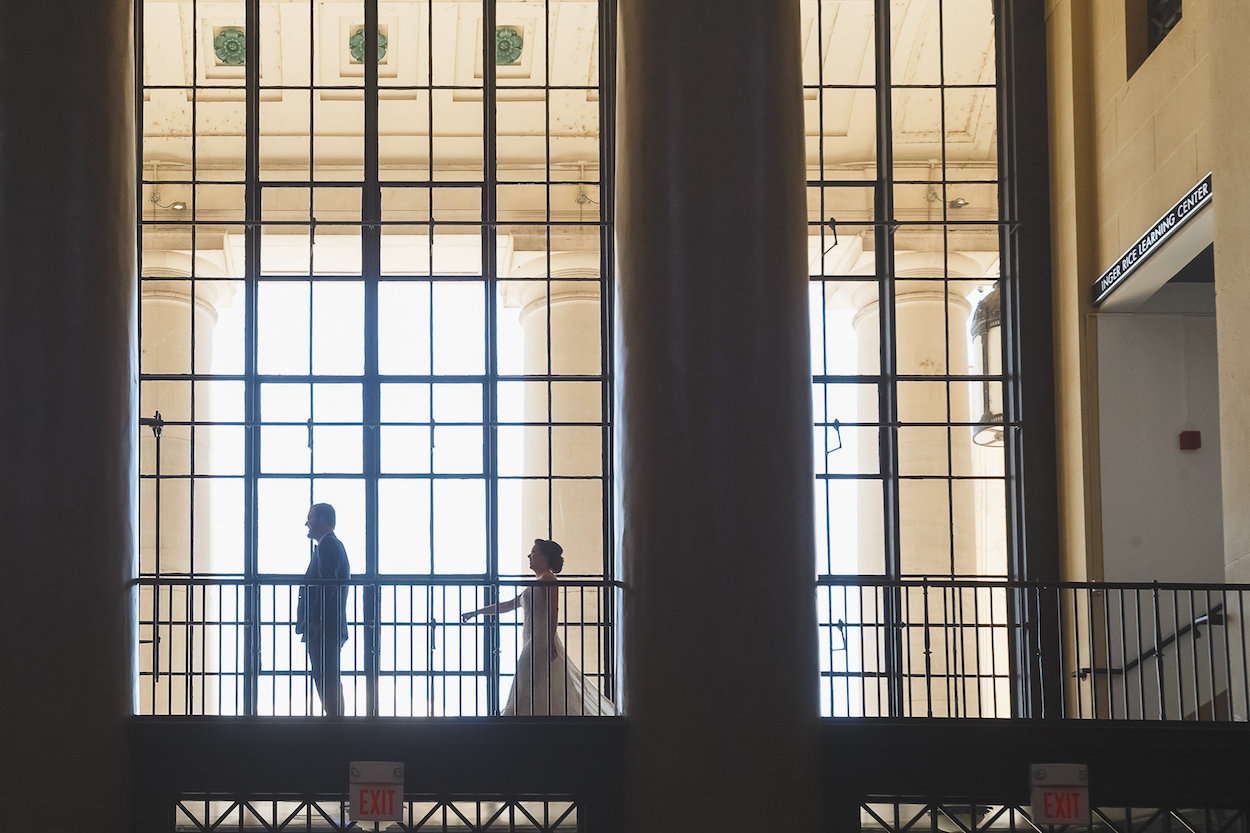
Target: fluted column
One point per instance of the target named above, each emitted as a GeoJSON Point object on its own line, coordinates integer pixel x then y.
{"type": "Point", "coordinates": [68, 412]}
{"type": "Point", "coordinates": [178, 322]}
{"type": "Point", "coordinates": [925, 312]}
{"type": "Point", "coordinates": [937, 527]}
{"type": "Point", "coordinates": [560, 318]}
{"type": "Point", "coordinates": [714, 409]}
{"type": "Point", "coordinates": [172, 318]}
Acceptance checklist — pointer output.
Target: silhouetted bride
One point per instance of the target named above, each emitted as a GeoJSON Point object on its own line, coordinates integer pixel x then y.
{"type": "Point", "coordinates": [546, 681]}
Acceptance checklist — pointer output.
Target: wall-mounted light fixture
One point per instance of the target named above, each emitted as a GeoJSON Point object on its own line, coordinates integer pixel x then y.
{"type": "Point", "coordinates": [176, 205]}
{"type": "Point", "coordinates": [987, 350]}
{"type": "Point", "coordinates": [932, 196]}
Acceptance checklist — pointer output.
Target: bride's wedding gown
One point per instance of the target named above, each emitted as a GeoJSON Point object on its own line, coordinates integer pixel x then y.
{"type": "Point", "coordinates": [547, 684]}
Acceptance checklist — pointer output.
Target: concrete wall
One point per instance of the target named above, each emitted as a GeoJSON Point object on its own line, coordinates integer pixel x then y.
{"type": "Point", "coordinates": [1123, 150]}
{"type": "Point", "coordinates": [1230, 49]}
{"type": "Point", "coordinates": [1161, 507]}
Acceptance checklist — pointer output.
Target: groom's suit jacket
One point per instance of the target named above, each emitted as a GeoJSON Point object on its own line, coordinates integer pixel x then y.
{"type": "Point", "coordinates": [322, 609]}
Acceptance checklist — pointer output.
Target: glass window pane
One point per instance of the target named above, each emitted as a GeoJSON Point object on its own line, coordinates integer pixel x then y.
{"type": "Point", "coordinates": [218, 525]}
{"type": "Point", "coordinates": [404, 327]}
{"type": "Point", "coordinates": [337, 403]}
{"type": "Point", "coordinates": [347, 496]}
{"type": "Point", "coordinates": [405, 449]}
{"type": "Point", "coordinates": [403, 526]}
{"type": "Point", "coordinates": [284, 449]}
{"type": "Point", "coordinates": [459, 328]}
{"type": "Point", "coordinates": [458, 449]}
{"type": "Point", "coordinates": [457, 403]}
{"type": "Point", "coordinates": [282, 330]}
{"type": "Point", "coordinates": [838, 518]}
{"type": "Point", "coordinates": [282, 509]}
{"type": "Point", "coordinates": [338, 328]}
{"type": "Point", "coordinates": [459, 524]}
{"type": "Point", "coordinates": [405, 403]}
{"type": "Point", "coordinates": [285, 403]}
{"type": "Point", "coordinates": [968, 46]}
{"type": "Point", "coordinates": [337, 449]}
{"type": "Point", "coordinates": [219, 450]}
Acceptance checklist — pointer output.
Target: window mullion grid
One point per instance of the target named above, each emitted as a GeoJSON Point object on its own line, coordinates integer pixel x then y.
{"type": "Point", "coordinates": [607, 258]}
{"type": "Point", "coordinates": [429, 346]}
{"type": "Point", "coordinates": [490, 270]}
{"type": "Point", "coordinates": [371, 268]}
{"type": "Point", "coordinates": [549, 384]}
{"type": "Point", "coordinates": [490, 275]}
{"type": "Point", "coordinates": [1034, 667]}
{"type": "Point", "coordinates": [824, 284]}
{"type": "Point", "coordinates": [946, 292]}
{"type": "Point", "coordinates": [887, 393]}
{"type": "Point", "coordinates": [251, 395]}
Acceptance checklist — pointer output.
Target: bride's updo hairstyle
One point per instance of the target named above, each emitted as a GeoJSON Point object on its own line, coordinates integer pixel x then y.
{"type": "Point", "coordinates": [554, 553]}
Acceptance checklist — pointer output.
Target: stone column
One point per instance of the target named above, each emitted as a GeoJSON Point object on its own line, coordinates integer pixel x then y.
{"type": "Point", "coordinates": [714, 419]}
{"type": "Point", "coordinates": [172, 318]}
{"type": "Point", "coordinates": [925, 312]}
{"type": "Point", "coordinates": [561, 322]}
{"type": "Point", "coordinates": [68, 412]}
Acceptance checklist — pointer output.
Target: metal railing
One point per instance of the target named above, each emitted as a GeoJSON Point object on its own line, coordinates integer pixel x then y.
{"type": "Point", "coordinates": [229, 647]}
{"type": "Point", "coordinates": [898, 816]}
{"type": "Point", "coordinates": [998, 649]}
{"type": "Point", "coordinates": [921, 648]}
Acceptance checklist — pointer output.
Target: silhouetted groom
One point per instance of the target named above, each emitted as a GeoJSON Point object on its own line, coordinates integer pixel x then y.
{"type": "Point", "coordinates": [321, 617]}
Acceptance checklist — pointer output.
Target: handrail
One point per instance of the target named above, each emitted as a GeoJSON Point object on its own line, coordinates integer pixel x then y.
{"type": "Point", "coordinates": [1205, 618]}
{"type": "Point", "coordinates": [1150, 653]}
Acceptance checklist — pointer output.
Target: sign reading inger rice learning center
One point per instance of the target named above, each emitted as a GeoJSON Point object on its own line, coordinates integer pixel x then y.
{"type": "Point", "coordinates": [1189, 205]}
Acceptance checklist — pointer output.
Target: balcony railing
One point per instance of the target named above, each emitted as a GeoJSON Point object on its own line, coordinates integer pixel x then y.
{"type": "Point", "coordinates": [888, 648]}
{"type": "Point", "coordinates": [230, 647]}
{"type": "Point", "coordinates": [994, 649]}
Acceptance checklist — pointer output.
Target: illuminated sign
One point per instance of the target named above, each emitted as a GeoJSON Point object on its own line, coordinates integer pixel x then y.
{"type": "Point", "coordinates": [1189, 205]}
{"type": "Point", "coordinates": [1060, 793]}
{"type": "Point", "coordinates": [376, 791]}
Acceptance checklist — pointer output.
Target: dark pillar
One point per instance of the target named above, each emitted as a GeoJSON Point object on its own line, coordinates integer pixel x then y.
{"type": "Point", "coordinates": [67, 411]}
{"type": "Point", "coordinates": [714, 407]}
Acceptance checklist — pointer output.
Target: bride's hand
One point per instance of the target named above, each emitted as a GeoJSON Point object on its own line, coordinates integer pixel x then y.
{"type": "Point", "coordinates": [464, 617]}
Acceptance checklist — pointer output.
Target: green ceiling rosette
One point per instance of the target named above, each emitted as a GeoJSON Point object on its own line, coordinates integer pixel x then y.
{"type": "Point", "coordinates": [230, 46]}
{"type": "Point", "coordinates": [356, 45]}
{"type": "Point", "coordinates": [508, 46]}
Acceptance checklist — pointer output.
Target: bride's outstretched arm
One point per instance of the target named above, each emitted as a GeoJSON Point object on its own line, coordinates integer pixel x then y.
{"type": "Point", "coordinates": [492, 610]}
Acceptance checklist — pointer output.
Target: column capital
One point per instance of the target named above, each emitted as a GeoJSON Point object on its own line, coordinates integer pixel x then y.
{"type": "Point", "coordinates": [573, 277]}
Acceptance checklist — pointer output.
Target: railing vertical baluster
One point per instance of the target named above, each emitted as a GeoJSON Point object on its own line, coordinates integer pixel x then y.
{"type": "Point", "coordinates": [1092, 648]}
{"type": "Point", "coordinates": [928, 650]}
{"type": "Point", "coordinates": [1180, 676]}
{"type": "Point", "coordinates": [1245, 666]}
{"type": "Point", "coordinates": [1211, 649]}
{"type": "Point", "coordinates": [1106, 643]}
{"type": "Point", "coordinates": [1195, 671]}
{"type": "Point", "coordinates": [1158, 655]}
{"type": "Point", "coordinates": [1076, 652]}
{"type": "Point", "coordinates": [1040, 653]}
{"type": "Point", "coordinates": [1123, 655]}
{"type": "Point", "coordinates": [879, 638]}
{"type": "Point", "coordinates": [976, 650]}
{"type": "Point", "coordinates": [955, 639]}
{"type": "Point", "coordinates": [1141, 680]}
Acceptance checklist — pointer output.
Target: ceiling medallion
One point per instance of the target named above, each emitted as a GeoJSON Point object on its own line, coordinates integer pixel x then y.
{"type": "Point", "coordinates": [508, 45]}
{"type": "Point", "coordinates": [230, 46]}
{"type": "Point", "coordinates": [356, 45]}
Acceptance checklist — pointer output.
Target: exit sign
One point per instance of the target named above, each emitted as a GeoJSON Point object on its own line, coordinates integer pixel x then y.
{"type": "Point", "coordinates": [376, 791]}
{"type": "Point", "coordinates": [1060, 793]}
